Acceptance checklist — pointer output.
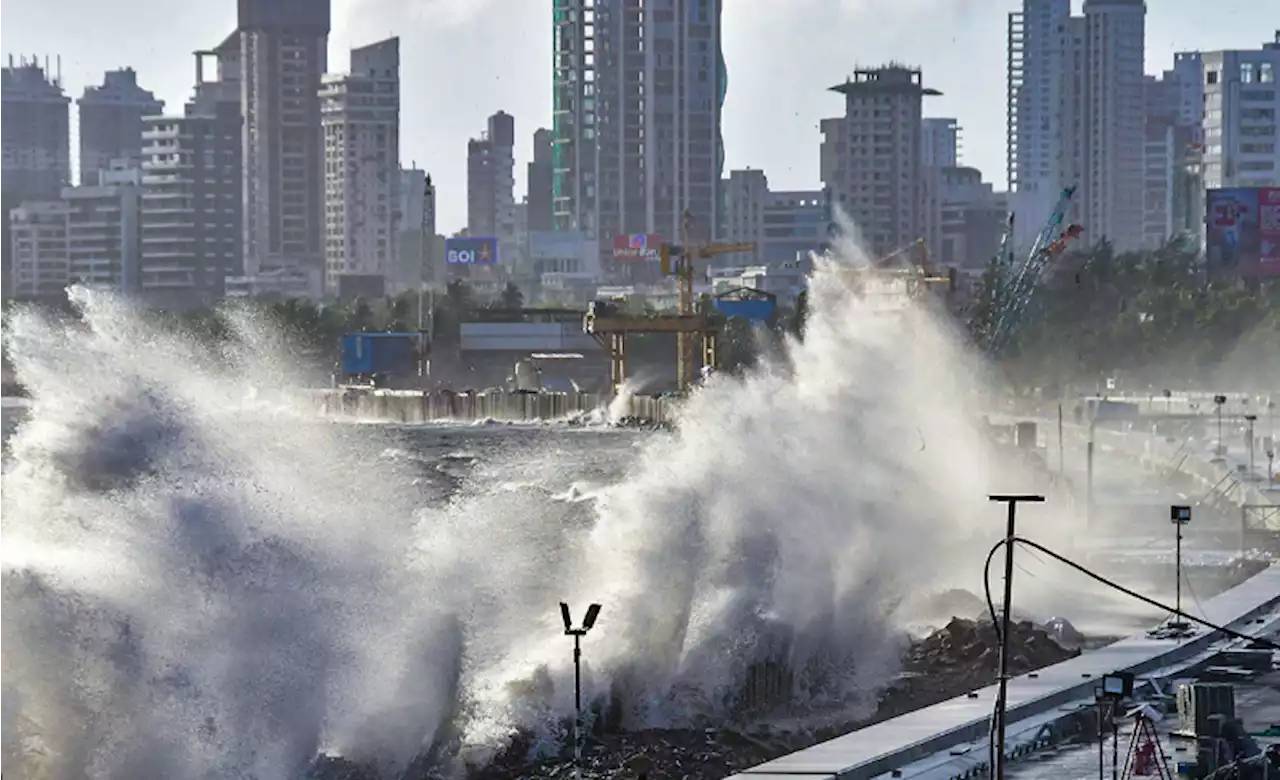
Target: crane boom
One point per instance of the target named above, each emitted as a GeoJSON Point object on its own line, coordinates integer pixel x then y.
{"type": "Point", "coordinates": [1016, 286]}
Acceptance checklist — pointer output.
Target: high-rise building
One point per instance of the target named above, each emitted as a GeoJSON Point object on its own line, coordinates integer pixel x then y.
{"type": "Point", "coordinates": [283, 54]}
{"type": "Point", "coordinates": [540, 174]}
{"type": "Point", "coordinates": [638, 93]}
{"type": "Point", "coordinates": [1038, 43]}
{"type": "Point", "coordinates": [410, 233]}
{"type": "Point", "coordinates": [38, 232]}
{"type": "Point", "coordinates": [360, 114]}
{"type": "Point", "coordinates": [745, 193]}
{"type": "Point", "coordinates": [491, 181]}
{"type": "Point", "coordinates": [939, 155]}
{"type": "Point", "coordinates": [35, 126]}
{"type": "Point", "coordinates": [1076, 116]}
{"type": "Point", "coordinates": [36, 130]}
{"type": "Point", "coordinates": [1241, 106]}
{"type": "Point", "coordinates": [104, 228]}
{"type": "Point", "coordinates": [111, 122]}
{"type": "Point", "coordinates": [940, 142]}
{"type": "Point", "coordinates": [1115, 45]}
{"type": "Point", "coordinates": [874, 174]}
{"type": "Point", "coordinates": [191, 212]}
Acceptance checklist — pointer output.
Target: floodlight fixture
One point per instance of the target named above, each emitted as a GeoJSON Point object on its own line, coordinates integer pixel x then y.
{"type": "Point", "coordinates": [588, 620]}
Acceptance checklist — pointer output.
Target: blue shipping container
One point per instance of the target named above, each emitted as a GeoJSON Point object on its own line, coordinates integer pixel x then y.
{"type": "Point", "coordinates": [760, 310]}
{"type": "Point", "coordinates": [379, 353]}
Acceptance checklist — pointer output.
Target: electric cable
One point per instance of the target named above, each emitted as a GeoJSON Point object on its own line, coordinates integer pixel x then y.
{"type": "Point", "coordinates": [1263, 642]}
{"type": "Point", "coordinates": [995, 622]}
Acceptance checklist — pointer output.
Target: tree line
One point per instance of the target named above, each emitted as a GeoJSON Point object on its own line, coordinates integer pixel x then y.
{"type": "Point", "coordinates": [1150, 319]}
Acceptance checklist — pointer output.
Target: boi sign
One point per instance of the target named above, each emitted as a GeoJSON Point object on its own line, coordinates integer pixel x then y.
{"type": "Point", "coordinates": [470, 251]}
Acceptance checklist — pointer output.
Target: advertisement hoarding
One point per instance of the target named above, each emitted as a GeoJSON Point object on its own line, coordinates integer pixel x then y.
{"type": "Point", "coordinates": [1242, 231]}
{"type": "Point", "coordinates": [465, 250]}
{"type": "Point", "coordinates": [636, 246]}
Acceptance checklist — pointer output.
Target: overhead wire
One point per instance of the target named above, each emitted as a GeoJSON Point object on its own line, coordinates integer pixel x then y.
{"type": "Point", "coordinates": [995, 621]}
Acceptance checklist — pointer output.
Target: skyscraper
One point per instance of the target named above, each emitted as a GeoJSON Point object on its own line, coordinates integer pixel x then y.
{"type": "Point", "coordinates": [1039, 113]}
{"type": "Point", "coordinates": [539, 182]}
{"type": "Point", "coordinates": [1115, 44]}
{"type": "Point", "coordinates": [36, 129]}
{"type": "Point", "coordinates": [491, 180]}
{"type": "Point", "coordinates": [1076, 115]}
{"type": "Point", "coordinates": [283, 53]}
{"type": "Point", "coordinates": [111, 122]}
{"type": "Point", "coordinates": [940, 142]}
{"type": "Point", "coordinates": [875, 174]}
{"type": "Point", "coordinates": [191, 190]}
{"type": "Point", "coordinates": [35, 125]}
{"type": "Point", "coordinates": [638, 93]}
{"type": "Point", "coordinates": [360, 114]}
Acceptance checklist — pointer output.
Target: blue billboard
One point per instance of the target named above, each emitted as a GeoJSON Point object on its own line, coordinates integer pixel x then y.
{"type": "Point", "coordinates": [465, 250]}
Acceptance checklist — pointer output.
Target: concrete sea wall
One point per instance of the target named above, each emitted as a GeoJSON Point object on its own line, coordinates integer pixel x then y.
{"type": "Point", "coordinates": [420, 406]}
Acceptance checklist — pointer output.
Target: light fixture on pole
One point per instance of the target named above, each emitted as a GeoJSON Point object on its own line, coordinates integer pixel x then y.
{"type": "Point", "coordinates": [1115, 687]}
{"type": "Point", "coordinates": [1220, 450]}
{"type": "Point", "coordinates": [589, 620]}
{"type": "Point", "coordinates": [1179, 516]}
{"type": "Point", "coordinates": [1251, 419]}
{"type": "Point", "coordinates": [1001, 701]}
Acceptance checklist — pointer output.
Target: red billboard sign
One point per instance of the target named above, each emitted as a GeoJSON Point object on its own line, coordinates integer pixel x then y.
{"type": "Point", "coordinates": [1243, 230]}
{"type": "Point", "coordinates": [636, 246]}
{"type": "Point", "coordinates": [1269, 231]}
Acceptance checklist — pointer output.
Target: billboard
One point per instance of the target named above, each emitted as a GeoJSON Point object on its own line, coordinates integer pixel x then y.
{"type": "Point", "coordinates": [1242, 231]}
{"type": "Point", "coordinates": [636, 246]}
{"type": "Point", "coordinates": [465, 250]}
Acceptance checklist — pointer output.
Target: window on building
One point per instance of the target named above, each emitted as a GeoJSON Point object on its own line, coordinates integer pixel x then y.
{"type": "Point", "coordinates": [1211, 77]}
{"type": "Point", "coordinates": [1246, 73]}
{"type": "Point", "coordinates": [1266, 73]}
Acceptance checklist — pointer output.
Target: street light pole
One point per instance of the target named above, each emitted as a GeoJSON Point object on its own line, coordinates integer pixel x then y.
{"type": "Point", "coordinates": [1001, 701]}
{"type": "Point", "coordinates": [1220, 450]}
{"type": "Point", "coordinates": [1088, 479]}
{"type": "Point", "coordinates": [589, 620]}
{"type": "Point", "coordinates": [1251, 419]}
{"type": "Point", "coordinates": [1179, 516]}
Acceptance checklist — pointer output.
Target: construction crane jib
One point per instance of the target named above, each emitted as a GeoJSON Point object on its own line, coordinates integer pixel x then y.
{"type": "Point", "coordinates": [1016, 282]}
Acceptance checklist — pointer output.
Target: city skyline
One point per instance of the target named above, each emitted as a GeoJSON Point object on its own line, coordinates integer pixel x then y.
{"type": "Point", "coordinates": [775, 99]}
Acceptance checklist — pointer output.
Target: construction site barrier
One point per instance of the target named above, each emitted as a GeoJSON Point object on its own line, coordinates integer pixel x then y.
{"type": "Point", "coordinates": [422, 406]}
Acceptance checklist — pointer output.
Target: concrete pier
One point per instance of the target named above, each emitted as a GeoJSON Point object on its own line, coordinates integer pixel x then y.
{"type": "Point", "coordinates": [423, 406]}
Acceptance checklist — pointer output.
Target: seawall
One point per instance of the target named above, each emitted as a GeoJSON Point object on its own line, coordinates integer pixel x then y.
{"type": "Point", "coordinates": [421, 406]}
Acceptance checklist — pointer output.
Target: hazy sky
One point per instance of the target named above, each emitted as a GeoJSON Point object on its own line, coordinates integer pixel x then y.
{"type": "Point", "coordinates": [462, 60]}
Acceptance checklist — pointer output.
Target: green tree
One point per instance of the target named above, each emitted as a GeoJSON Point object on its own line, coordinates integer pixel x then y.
{"type": "Point", "coordinates": [511, 297]}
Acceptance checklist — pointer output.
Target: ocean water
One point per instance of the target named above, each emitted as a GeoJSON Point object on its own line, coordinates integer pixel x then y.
{"type": "Point", "coordinates": [203, 580]}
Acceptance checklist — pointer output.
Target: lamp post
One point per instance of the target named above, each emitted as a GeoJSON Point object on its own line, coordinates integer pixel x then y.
{"type": "Point", "coordinates": [1220, 450]}
{"type": "Point", "coordinates": [589, 620]}
{"type": "Point", "coordinates": [1251, 419]}
{"type": "Point", "coordinates": [1179, 516]}
{"type": "Point", "coordinates": [1088, 474]}
{"type": "Point", "coordinates": [1115, 687]}
{"type": "Point", "coordinates": [1001, 702]}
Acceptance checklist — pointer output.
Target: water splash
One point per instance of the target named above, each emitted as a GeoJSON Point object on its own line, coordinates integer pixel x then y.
{"type": "Point", "coordinates": [200, 582]}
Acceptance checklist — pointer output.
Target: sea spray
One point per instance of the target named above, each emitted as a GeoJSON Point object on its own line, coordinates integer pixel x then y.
{"type": "Point", "coordinates": [201, 581]}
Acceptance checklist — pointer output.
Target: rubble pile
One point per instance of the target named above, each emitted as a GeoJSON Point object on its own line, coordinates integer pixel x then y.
{"type": "Point", "coordinates": [963, 656]}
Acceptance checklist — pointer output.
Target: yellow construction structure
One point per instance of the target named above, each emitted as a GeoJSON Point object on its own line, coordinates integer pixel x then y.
{"type": "Point", "coordinates": [609, 326]}
{"type": "Point", "coordinates": [910, 280]}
